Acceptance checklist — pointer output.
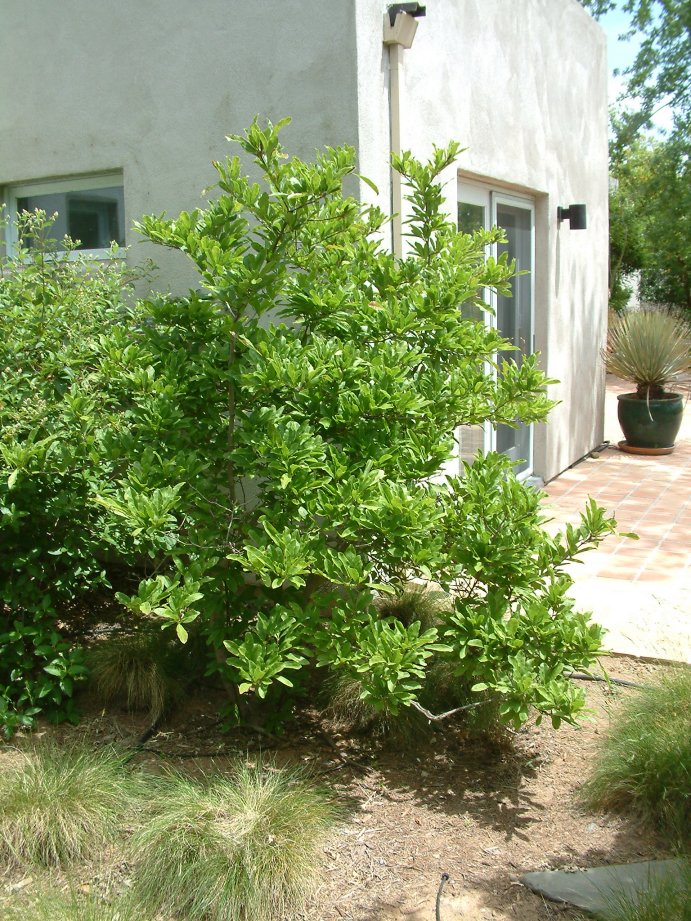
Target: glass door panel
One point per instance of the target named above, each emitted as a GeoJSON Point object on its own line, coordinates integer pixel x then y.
{"type": "Point", "coordinates": [479, 207]}
{"type": "Point", "coordinates": [473, 214]}
{"type": "Point", "coordinates": [515, 315]}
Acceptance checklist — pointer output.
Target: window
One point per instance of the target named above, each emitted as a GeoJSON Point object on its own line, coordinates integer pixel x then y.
{"type": "Point", "coordinates": [90, 209]}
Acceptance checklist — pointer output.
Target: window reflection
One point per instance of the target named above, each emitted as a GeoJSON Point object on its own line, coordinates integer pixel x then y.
{"type": "Point", "coordinates": [94, 217]}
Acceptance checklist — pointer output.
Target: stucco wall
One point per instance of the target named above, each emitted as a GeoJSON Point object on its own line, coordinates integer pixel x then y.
{"type": "Point", "coordinates": [154, 87]}
{"type": "Point", "coordinates": [524, 87]}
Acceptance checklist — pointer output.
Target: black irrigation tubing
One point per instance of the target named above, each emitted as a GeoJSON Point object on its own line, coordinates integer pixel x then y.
{"type": "Point", "coordinates": [582, 676]}
{"type": "Point", "coordinates": [444, 879]}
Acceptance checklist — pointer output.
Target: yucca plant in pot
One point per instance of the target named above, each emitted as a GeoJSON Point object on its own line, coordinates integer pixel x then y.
{"type": "Point", "coordinates": [650, 348]}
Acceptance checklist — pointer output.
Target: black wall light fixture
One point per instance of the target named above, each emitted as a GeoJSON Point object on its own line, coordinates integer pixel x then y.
{"type": "Point", "coordinates": [575, 215]}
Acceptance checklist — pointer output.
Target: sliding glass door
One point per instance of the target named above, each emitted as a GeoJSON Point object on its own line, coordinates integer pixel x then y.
{"type": "Point", "coordinates": [479, 206]}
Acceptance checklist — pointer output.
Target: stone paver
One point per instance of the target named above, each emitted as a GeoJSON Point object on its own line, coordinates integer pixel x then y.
{"type": "Point", "coordinates": [600, 888]}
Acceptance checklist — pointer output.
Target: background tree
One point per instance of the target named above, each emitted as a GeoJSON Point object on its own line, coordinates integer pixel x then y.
{"type": "Point", "coordinates": [660, 75]}
{"type": "Point", "coordinates": [649, 204]}
{"type": "Point", "coordinates": [650, 218]}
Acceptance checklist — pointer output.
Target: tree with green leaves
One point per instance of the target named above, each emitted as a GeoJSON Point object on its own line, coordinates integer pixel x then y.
{"type": "Point", "coordinates": [278, 457]}
{"type": "Point", "coordinates": [650, 223]}
{"type": "Point", "coordinates": [262, 458]}
{"type": "Point", "coordinates": [649, 206]}
{"type": "Point", "coordinates": [660, 75]}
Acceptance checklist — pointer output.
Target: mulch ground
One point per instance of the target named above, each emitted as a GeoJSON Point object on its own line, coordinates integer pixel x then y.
{"type": "Point", "coordinates": [483, 812]}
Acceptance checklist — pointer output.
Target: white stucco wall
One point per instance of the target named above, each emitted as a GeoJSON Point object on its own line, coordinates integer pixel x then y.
{"type": "Point", "coordinates": [524, 87]}
{"type": "Point", "coordinates": [152, 88]}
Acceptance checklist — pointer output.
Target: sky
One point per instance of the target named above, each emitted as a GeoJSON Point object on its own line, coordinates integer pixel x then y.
{"type": "Point", "coordinates": [621, 55]}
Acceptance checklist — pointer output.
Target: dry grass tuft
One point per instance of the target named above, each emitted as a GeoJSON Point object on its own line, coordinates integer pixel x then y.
{"type": "Point", "coordinates": [59, 805]}
{"type": "Point", "coordinates": [244, 847]}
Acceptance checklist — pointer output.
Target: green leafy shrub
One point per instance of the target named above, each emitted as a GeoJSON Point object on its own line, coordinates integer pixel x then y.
{"type": "Point", "coordinates": [60, 805]}
{"type": "Point", "coordinates": [54, 307]}
{"type": "Point", "coordinates": [644, 766]}
{"type": "Point", "coordinates": [261, 458]}
{"type": "Point", "coordinates": [244, 847]}
{"type": "Point", "coordinates": [38, 672]}
{"type": "Point", "coordinates": [284, 472]}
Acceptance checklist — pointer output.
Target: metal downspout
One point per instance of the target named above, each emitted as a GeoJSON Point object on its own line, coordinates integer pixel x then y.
{"type": "Point", "coordinates": [398, 35]}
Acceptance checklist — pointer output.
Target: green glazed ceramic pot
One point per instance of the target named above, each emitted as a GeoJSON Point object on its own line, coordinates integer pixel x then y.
{"type": "Point", "coordinates": [650, 423]}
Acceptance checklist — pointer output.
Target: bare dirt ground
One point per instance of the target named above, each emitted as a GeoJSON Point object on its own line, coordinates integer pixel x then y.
{"type": "Point", "coordinates": [484, 813]}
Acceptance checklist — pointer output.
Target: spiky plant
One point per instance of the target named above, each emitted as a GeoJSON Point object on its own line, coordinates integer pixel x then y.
{"type": "Point", "coordinates": [243, 847]}
{"type": "Point", "coordinates": [58, 805]}
{"type": "Point", "coordinates": [649, 348]}
{"type": "Point", "coordinates": [644, 765]}
{"type": "Point", "coordinates": [135, 669]}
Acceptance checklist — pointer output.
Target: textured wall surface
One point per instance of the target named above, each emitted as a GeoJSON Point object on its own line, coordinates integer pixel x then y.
{"type": "Point", "coordinates": [523, 86]}
{"type": "Point", "coordinates": [153, 88]}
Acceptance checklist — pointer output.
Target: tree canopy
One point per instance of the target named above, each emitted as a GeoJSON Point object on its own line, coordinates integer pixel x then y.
{"type": "Point", "coordinates": [660, 75]}
{"type": "Point", "coordinates": [650, 200]}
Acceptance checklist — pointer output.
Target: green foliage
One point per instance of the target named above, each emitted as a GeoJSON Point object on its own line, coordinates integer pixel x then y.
{"type": "Point", "coordinates": [660, 75]}
{"type": "Point", "coordinates": [284, 472]}
{"type": "Point", "coordinates": [644, 766]}
{"type": "Point", "coordinates": [665, 206]}
{"type": "Point", "coordinates": [244, 847]}
{"type": "Point", "coordinates": [38, 672]}
{"type": "Point", "coordinates": [650, 208]}
{"type": "Point", "coordinates": [514, 631]}
{"type": "Point", "coordinates": [54, 308]}
{"type": "Point", "coordinates": [262, 457]}
{"type": "Point", "coordinates": [649, 221]}
{"type": "Point", "coordinates": [649, 348]}
{"type": "Point", "coordinates": [60, 805]}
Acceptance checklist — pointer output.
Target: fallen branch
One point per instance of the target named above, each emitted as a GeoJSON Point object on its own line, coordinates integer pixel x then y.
{"type": "Point", "coordinates": [436, 717]}
{"type": "Point", "coordinates": [583, 676]}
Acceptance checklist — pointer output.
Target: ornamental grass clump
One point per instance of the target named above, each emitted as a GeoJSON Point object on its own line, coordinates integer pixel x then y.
{"type": "Point", "coordinates": [644, 766]}
{"type": "Point", "coordinates": [135, 670]}
{"type": "Point", "coordinates": [60, 805]}
{"type": "Point", "coordinates": [650, 348]}
{"type": "Point", "coordinates": [243, 847]}
{"type": "Point", "coordinates": [75, 905]}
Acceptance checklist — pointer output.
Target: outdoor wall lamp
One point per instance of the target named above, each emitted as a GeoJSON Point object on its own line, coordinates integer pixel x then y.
{"type": "Point", "coordinates": [400, 29]}
{"type": "Point", "coordinates": [575, 215]}
{"type": "Point", "coordinates": [413, 9]}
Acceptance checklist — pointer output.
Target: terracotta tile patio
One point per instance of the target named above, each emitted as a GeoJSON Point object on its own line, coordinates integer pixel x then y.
{"type": "Point", "coordinates": [648, 495]}
{"type": "Point", "coordinates": [640, 590]}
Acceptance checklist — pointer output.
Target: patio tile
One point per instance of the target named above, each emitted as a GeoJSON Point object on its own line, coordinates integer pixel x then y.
{"type": "Point", "coordinates": [639, 590]}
